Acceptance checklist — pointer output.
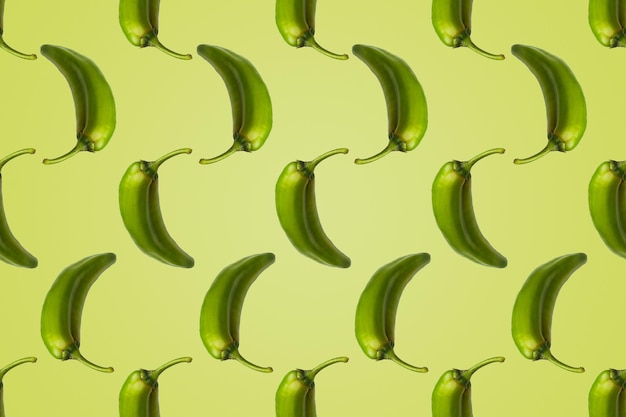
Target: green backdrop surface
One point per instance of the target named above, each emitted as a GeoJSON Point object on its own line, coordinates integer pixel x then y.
{"type": "Point", "coordinates": [141, 313]}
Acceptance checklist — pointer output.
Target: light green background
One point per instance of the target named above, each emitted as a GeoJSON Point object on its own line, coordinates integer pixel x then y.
{"type": "Point", "coordinates": [454, 313]}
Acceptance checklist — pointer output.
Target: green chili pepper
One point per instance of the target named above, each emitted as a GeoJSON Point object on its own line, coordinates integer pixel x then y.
{"type": "Point", "coordinates": [249, 99]}
{"type": "Point", "coordinates": [532, 313]}
{"type": "Point", "coordinates": [139, 20]}
{"type": "Point", "coordinates": [606, 396]}
{"type": "Point", "coordinates": [566, 109]}
{"type": "Point", "coordinates": [11, 251]}
{"type": "Point", "coordinates": [141, 212]}
{"type": "Point", "coordinates": [376, 311]}
{"type": "Point", "coordinates": [607, 205]}
{"type": "Point", "coordinates": [139, 396]}
{"type": "Point", "coordinates": [454, 213]}
{"type": "Point", "coordinates": [407, 113]}
{"type": "Point", "coordinates": [4, 45]}
{"type": "Point", "coordinates": [452, 396]}
{"type": "Point", "coordinates": [297, 212]}
{"type": "Point", "coordinates": [452, 20]}
{"type": "Point", "coordinates": [296, 23]}
{"type": "Point", "coordinates": [63, 307]}
{"type": "Point", "coordinates": [93, 100]}
{"type": "Point", "coordinates": [607, 19]}
{"type": "Point", "coordinates": [295, 396]}
{"type": "Point", "coordinates": [3, 371]}
{"type": "Point", "coordinates": [221, 310]}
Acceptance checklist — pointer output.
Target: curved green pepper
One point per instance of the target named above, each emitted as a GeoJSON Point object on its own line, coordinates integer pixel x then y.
{"type": "Point", "coordinates": [141, 212]}
{"type": "Point", "coordinates": [296, 23]}
{"type": "Point", "coordinates": [4, 45]}
{"type": "Point", "coordinates": [607, 19]}
{"type": "Point", "coordinates": [221, 309]}
{"type": "Point", "coordinates": [566, 109]}
{"type": "Point", "coordinates": [297, 212]}
{"type": "Point", "coordinates": [454, 213]}
{"type": "Point", "coordinates": [93, 100]}
{"type": "Point", "coordinates": [452, 20]}
{"type": "Point", "coordinates": [139, 396]}
{"type": "Point", "coordinates": [249, 99]}
{"type": "Point", "coordinates": [608, 206]}
{"type": "Point", "coordinates": [139, 20]}
{"type": "Point", "coordinates": [295, 396]}
{"type": "Point", "coordinates": [11, 251]}
{"type": "Point", "coordinates": [606, 396]}
{"type": "Point", "coordinates": [3, 371]}
{"type": "Point", "coordinates": [452, 396]}
{"type": "Point", "coordinates": [376, 311]}
{"type": "Point", "coordinates": [63, 307]}
{"type": "Point", "coordinates": [407, 112]}
{"type": "Point", "coordinates": [531, 325]}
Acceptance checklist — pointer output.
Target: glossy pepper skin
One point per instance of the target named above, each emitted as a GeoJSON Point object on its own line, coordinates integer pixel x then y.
{"type": "Point", "coordinates": [63, 307]}
{"type": "Point", "coordinates": [221, 309]}
{"type": "Point", "coordinates": [297, 212]}
{"type": "Point", "coordinates": [249, 99]}
{"type": "Point", "coordinates": [11, 251]}
{"type": "Point", "coordinates": [607, 19]}
{"type": "Point", "coordinates": [452, 396]}
{"type": "Point", "coordinates": [295, 396]}
{"type": "Point", "coordinates": [607, 204]}
{"type": "Point", "coordinates": [139, 20]}
{"type": "Point", "coordinates": [566, 108]}
{"type": "Point", "coordinates": [3, 371]}
{"type": "Point", "coordinates": [606, 396]}
{"type": "Point", "coordinates": [295, 20]}
{"type": "Point", "coordinates": [454, 212]}
{"type": "Point", "coordinates": [376, 311]}
{"type": "Point", "coordinates": [141, 212]}
{"type": "Point", "coordinates": [407, 112]}
{"type": "Point", "coordinates": [93, 100]}
{"type": "Point", "coordinates": [139, 396]}
{"type": "Point", "coordinates": [531, 325]}
{"type": "Point", "coordinates": [4, 45]}
{"type": "Point", "coordinates": [452, 20]}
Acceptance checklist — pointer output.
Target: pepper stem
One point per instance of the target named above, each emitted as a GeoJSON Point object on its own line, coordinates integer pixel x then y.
{"type": "Point", "coordinates": [467, 165]}
{"type": "Point", "coordinates": [237, 146]}
{"type": "Point", "coordinates": [619, 376]}
{"type": "Point", "coordinates": [551, 146]}
{"type": "Point", "coordinates": [6, 47]}
{"type": "Point", "coordinates": [310, 166]}
{"type": "Point", "coordinates": [154, 41]}
{"type": "Point", "coordinates": [618, 40]}
{"type": "Point", "coordinates": [310, 374]}
{"type": "Point", "coordinates": [7, 158]}
{"type": "Point", "coordinates": [12, 365]}
{"type": "Point", "coordinates": [618, 168]}
{"type": "Point", "coordinates": [80, 146]}
{"type": "Point", "coordinates": [237, 356]}
{"type": "Point", "coordinates": [80, 358]}
{"type": "Point", "coordinates": [154, 374]}
{"type": "Point", "coordinates": [467, 42]}
{"type": "Point", "coordinates": [391, 146]}
{"type": "Point", "coordinates": [467, 374]}
{"type": "Point", "coordinates": [310, 41]}
{"type": "Point", "coordinates": [546, 354]}
{"type": "Point", "coordinates": [390, 354]}
{"type": "Point", "coordinates": [154, 165]}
